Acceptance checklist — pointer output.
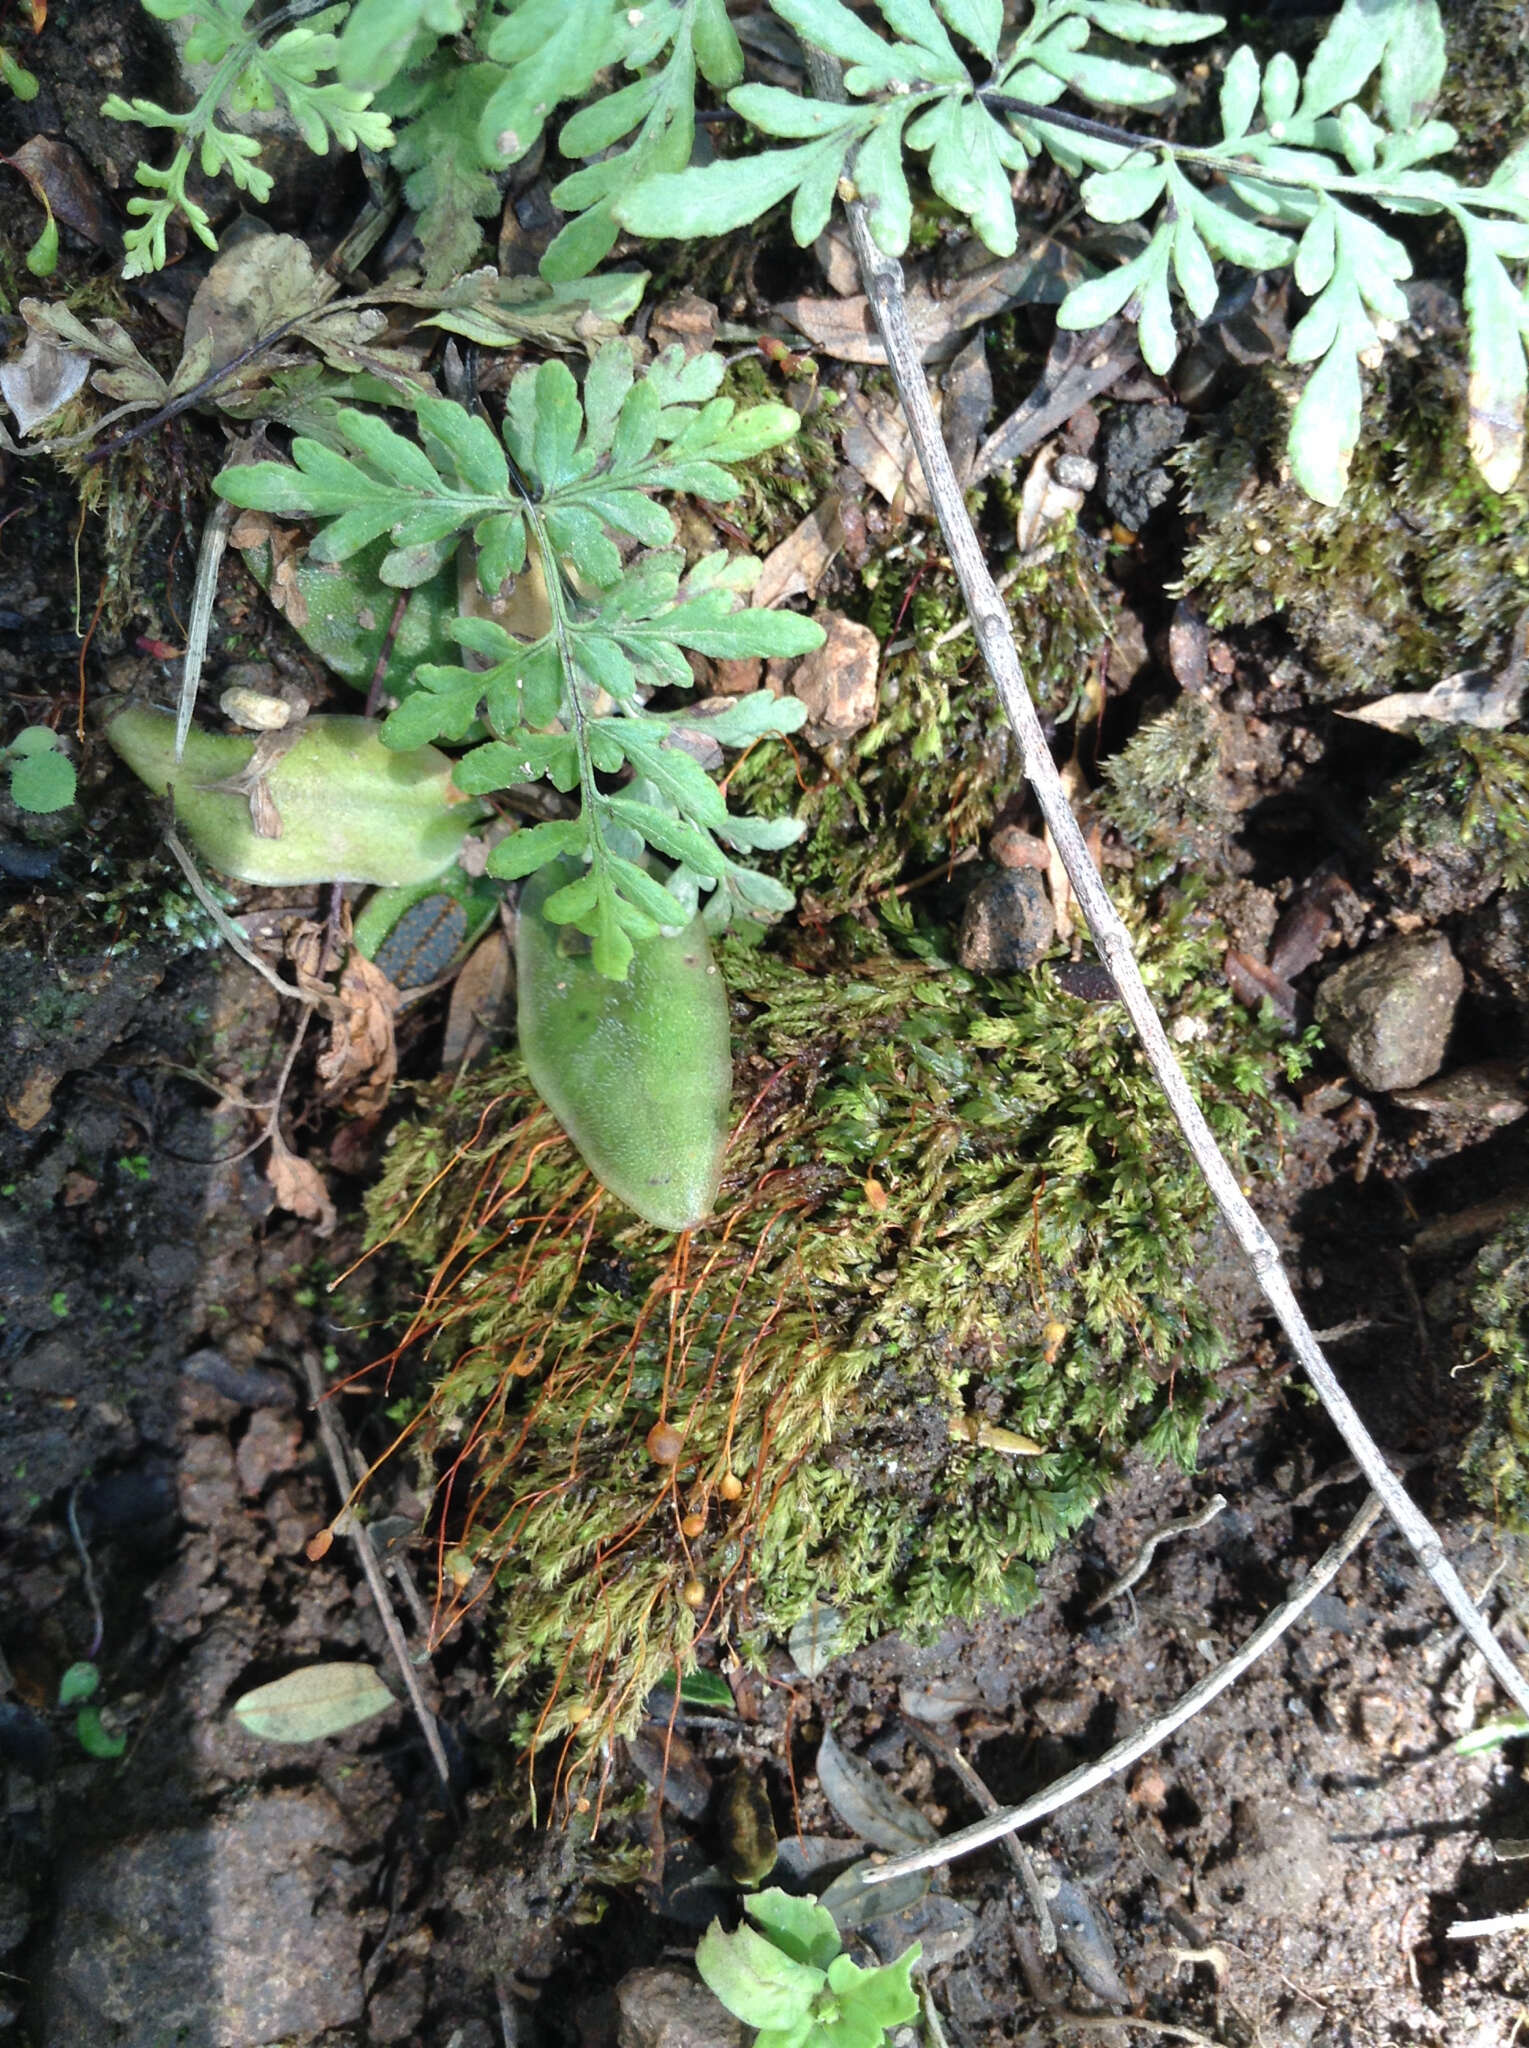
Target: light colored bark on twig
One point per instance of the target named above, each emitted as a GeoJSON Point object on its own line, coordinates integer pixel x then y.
{"type": "Point", "coordinates": [882, 278]}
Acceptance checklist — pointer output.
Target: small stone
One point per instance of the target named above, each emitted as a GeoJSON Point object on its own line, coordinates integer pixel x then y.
{"type": "Point", "coordinates": [272, 1444]}
{"type": "Point", "coordinates": [669, 2008]}
{"type": "Point", "coordinates": [1065, 1714]}
{"type": "Point", "coordinates": [738, 674]}
{"type": "Point", "coordinates": [1390, 1011]}
{"type": "Point", "coordinates": [838, 681]}
{"type": "Point", "coordinates": [1491, 1093]}
{"type": "Point", "coordinates": [1013, 848]}
{"type": "Point", "coordinates": [1008, 923]}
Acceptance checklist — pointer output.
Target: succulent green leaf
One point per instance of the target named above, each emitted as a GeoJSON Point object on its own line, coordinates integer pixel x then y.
{"type": "Point", "coordinates": [350, 808]}
{"type": "Point", "coordinates": [95, 1738]}
{"type": "Point", "coordinates": [637, 1071]}
{"type": "Point", "coordinates": [41, 775]}
{"type": "Point", "coordinates": [80, 1682]}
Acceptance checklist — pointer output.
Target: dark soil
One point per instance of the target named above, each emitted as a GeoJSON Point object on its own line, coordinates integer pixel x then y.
{"type": "Point", "coordinates": [1285, 1871]}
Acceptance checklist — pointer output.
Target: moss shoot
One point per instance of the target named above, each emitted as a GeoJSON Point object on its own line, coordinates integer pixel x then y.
{"type": "Point", "coordinates": [1497, 1340]}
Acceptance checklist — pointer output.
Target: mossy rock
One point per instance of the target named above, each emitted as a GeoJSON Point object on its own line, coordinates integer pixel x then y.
{"type": "Point", "coordinates": [1416, 574]}
{"type": "Point", "coordinates": [954, 1216]}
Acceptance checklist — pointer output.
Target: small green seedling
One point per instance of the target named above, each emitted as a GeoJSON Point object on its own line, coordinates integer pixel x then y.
{"type": "Point", "coordinates": [42, 774]}
{"type": "Point", "coordinates": [788, 1977]}
{"type": "Point", "coordinates": [78, 1688]}
{"type": "Point", "coordinates": [1493, 1734]}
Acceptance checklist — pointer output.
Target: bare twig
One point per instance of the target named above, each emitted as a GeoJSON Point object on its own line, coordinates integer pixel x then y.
{"type": "Point", "coordinates": [882, 278]}
{"type": "Point", "coordinates": [1137, 1571]}
{"type": "Point", "coordinates": [1480, 1930]}
{"type": "Point", "coordinates": [335, 1450]}
{"type": "Point", "coordinates": [1119, 2022]}
{"type": "Point", "coordinates": [952, 1754]}
{"type": "Point", "coordinates": [1084, 1780]}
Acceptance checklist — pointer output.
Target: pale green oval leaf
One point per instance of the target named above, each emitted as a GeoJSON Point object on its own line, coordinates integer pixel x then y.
{"type": "Point", "coordinates": [319, 1700]}
{"type": "Point", "coordinates": [43, 782]}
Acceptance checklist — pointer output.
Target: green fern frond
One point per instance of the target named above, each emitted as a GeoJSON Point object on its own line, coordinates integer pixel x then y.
{"type": "Point", "coordinates": [246, 75]}
{"type": "Point", "coordinates": [573, 484]}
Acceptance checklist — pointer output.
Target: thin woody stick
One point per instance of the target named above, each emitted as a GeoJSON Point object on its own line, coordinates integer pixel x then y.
{"type": "Point", "coordinates": [883, 280]}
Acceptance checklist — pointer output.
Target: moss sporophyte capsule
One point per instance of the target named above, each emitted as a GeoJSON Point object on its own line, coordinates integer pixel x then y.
{"type": "Point", "coordinates": [638, 1072]}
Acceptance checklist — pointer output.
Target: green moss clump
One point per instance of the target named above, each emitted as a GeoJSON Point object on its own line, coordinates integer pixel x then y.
{"type": "Point", "coordinates": [1407, 580]}
{"type": "Point", "coordinates": [1167, 791]}
{"type": "Point", "coordinates": [1497, 1458]}
{"type": "Point", "coordinates": [1485, 94]}
{"type": "Point", "coordinates": [955, 1216]}
{"type": "Point", "coordinates": [922, 785]}
{"type": "Point", "coordinates": [1457, 820]}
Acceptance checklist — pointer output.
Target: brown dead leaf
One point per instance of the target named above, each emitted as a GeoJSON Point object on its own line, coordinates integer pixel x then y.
{"type": "Point", "coordinates": [799, 564]}
{"type": "Point", "coordinates": [308, 947]}
{"type": "Point", "coordinates": [838, 681]}
{"type": "Point", "coordinates": [1078, 369]}
{"type": "Point", "coordinates": [299, 1187]}
{"type": "Point", "coordinates": [256, 530]}
{"type": "Point", "coordinates": [62, 180]}
{"type": "Point", "coordinates": [689, 320]}
{"type": "Point", "coordinates": [477, 1002]}
{"type": "Point", "coordinates": [250, 290]}
{"type": "Point", "coordinates": [877, 443]}
{"type": "Point", "coordinates": [361, 1062]}
{"type": "Point", "coordinates": [1044, 502]}
{"type": "Point", "coordinates": [966, 406]}
{"type": "Point", "coordinates": [940, 308]}
{"type": "Point", "coordinates": [40, 380]}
